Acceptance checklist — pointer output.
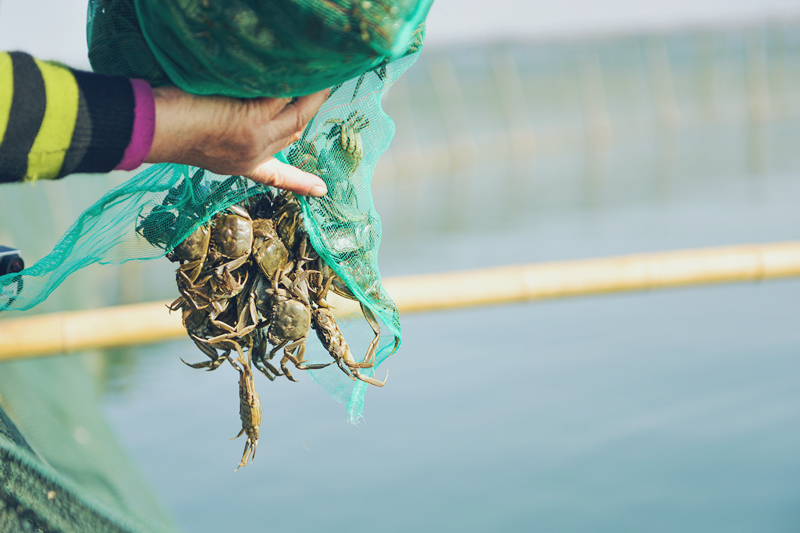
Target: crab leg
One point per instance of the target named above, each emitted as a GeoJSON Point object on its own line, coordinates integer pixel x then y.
{"type": "Point", "coordinates": [298, 361]}
{"type": "Point", "coordinates": [249, 411]}
{"type": "Point", "coordinates": [373, 381]}
{"type": "Point", "coordinates": [266, 367]}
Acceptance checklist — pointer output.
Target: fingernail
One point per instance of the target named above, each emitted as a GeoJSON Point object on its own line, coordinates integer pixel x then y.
{"type": "Point", "coordinates": [318, 190]}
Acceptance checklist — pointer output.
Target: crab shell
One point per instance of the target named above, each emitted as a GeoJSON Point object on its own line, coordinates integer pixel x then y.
{"type": "Point", "coordinates": [193, 248]}
{"type": "Point", "coordinates": [291, 320]}
{"type": "Point", "coordinates": [263, 296]}
{"type": "Point", "coordinates": [269, 252]}
{"type": "Point", "coordinates": [232, 236]}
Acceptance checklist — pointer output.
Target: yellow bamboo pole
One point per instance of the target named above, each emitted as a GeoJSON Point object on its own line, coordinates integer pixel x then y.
{"type": "Point", "coordinates": [724, 264]}
{"type": "Point", "coordinates": [151, 322]}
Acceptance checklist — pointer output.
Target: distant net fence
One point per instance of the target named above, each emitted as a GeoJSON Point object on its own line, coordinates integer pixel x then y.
{"type": "Point", "coordinates": [517, 98]}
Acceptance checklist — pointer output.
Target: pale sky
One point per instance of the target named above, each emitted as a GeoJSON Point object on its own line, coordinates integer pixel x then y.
{"type": "Point", "coordinates": [55, 29]}
{"type": "Point", "coordinates": [468, 20]}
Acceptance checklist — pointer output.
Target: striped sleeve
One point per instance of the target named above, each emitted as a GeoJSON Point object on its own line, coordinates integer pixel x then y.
{"type": "Point", "coordinates": [56, 121]}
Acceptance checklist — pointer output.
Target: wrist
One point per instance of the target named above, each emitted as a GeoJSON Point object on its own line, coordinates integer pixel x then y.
{"type": "Point", "coordinates": [143, 127]}
{"type": "Point", "coordinates": [161, 149]}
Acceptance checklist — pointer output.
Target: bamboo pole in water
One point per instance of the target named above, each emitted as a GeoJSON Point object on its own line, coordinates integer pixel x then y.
{"type": "Point", "coordinates": [151, 322]}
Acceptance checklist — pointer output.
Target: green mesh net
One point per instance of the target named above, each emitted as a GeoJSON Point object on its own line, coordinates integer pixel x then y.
{"type": "Point", "coordinates": [51, 481]}
{"type": "Point", "coordinates": [34, 497]}
{"type": "Point", "coordinates": [250, 48]}
{"type": "Point", "coordinates": [146, 217]}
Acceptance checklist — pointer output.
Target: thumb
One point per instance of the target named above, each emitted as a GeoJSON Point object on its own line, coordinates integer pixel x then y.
{"type": "Point", "coordinates": [277, 174]}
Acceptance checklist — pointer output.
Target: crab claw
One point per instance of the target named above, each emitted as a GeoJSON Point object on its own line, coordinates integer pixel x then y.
{"type": "Point", "coordinates": [210, 365]}
{"type": "Point", "coordinates": [249, 453]}
{"type": "Point", "coordinates": [315, 366]}
{"type": "Point", "coordinates": [267, 369]}
{"type": "Point", "coordinates": [373, 381]}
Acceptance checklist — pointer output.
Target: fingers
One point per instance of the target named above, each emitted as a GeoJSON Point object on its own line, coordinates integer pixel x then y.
{"type": "Point", "coordinates": [273, 172]}
{"type": "Point", "coordinates": [231, 136]}
{"type": "Point", "coordinates": [295, 116]}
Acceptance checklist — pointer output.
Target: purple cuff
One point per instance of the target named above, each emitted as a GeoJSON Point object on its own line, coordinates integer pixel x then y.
{"type": "Point", "coordinates": [144, 127]}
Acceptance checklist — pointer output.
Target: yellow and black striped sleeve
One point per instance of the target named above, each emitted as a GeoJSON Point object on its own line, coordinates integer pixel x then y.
{"type": "Point", "coordinates": [56, 121]}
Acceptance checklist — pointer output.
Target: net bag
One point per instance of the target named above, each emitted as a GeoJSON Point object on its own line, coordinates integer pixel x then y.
{"type": "Point", "coordinates": [250, 48]}
{"type": "Point", "coordinates": [148, 216]}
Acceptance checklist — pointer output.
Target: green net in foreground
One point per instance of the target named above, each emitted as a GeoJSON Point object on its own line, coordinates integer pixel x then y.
{"type": "Point", "coordinates": [34, 497]}
{"type": "Point", "coordinates": [68, 473]}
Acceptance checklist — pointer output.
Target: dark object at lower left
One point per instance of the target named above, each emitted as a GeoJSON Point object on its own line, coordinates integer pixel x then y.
{"type": "Point", "coordinates": [10, 263]}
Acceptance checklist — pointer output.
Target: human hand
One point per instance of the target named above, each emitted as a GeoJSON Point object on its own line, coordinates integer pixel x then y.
{"type": "Point", "coordinates": [235, 136]}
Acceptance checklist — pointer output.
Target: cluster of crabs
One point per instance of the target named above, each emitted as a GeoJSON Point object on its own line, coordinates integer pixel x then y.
{"type": "Point", "coordinates": [251, 289]}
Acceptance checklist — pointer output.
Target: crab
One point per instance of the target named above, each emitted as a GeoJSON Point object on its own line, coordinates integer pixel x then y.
{"type": "Point", "coordinates": [205, 280]}
{"type": "Point", "coordinates": [260, 205]}
{"type": "Point", "coordinates": [233, 235]}
{"type": "Point", "coordinates": [417, 39]}
{"type": "Point", "coordinates": [200, 326]}
{"type": "Point", "coordinates": [290, 322]}
{"type": "Point", "coordinates": [269, 252]}
{"type": "Point", "coordinates": [288, 219]}
{"type": "Point", "coordinates": [231, 243]}
{"type": "Point", "coordinates": [330, 335]}
{"type": "Point", "coordinates": [303, 154]}
{"type": "Point", "coordinates": [258, 352]}
{"type": "Point", "coordinates": [233, 329]}
{"type": "Point", "coordinates": [262, 291]}
{"type": "Point", "coordinates": [192, 253]}
{"type": "Point", "coordinates": [344, 141]}
{"type": "Point", "coordinates": [151, 226]}
{"type": "Point", "coordinates": [249, 411]}
{"type": "Point", "coordinates": [347, 231]}
{"type": "Point", "coordinates": [380, 72]}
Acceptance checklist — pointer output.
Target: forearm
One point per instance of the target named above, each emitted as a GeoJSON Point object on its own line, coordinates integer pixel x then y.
{"type": "Point", "coordinates": [56, 121]}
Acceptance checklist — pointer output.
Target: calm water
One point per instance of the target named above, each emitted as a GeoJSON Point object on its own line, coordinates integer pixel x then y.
{"type": "Point", "coordinates": [667, 412]}
{"type": "Point", "coordinates": [662, 411]}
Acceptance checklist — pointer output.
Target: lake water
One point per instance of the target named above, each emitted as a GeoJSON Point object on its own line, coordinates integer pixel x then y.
{"type": "Point", "coordinates": [673, 411]}
{"type": "Point", "coordinates": [661, 411]}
